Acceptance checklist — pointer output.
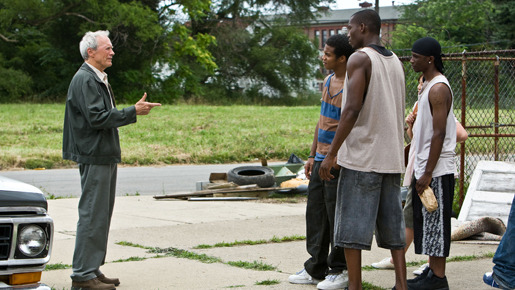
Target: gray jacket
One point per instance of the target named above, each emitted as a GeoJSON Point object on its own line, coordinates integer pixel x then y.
{"type": "Point", "coordinates": [90, 133]}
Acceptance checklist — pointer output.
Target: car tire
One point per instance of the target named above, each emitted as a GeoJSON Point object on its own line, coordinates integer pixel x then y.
{"type": "Point", "coordinates": [261, 175]}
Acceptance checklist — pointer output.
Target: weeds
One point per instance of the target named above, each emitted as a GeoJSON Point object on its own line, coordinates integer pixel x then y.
{"type": "Point", "coordinates": [268, 282]}
{"type": "Point", "coordinates": [255, 265]}
{"type": "Point", "coordinates": [58, 266]}
{"type": "Point", "coordinates": [250, 242]}
{"type": "Point", "coordinates": [179, 253]}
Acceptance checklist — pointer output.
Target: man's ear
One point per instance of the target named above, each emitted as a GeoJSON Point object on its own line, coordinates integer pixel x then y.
{"type": "Point", "coordinates": [431, 59]}
{"type": "Point", "coordinates": [362, 27]}
{"type": "Point", "coordinates": [90, 51]}
{"type": "Point", "coordinates": [342, 59]}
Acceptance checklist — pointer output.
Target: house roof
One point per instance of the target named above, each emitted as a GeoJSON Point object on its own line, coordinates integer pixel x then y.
{"type": "Point", "coordinates": [343, 15]}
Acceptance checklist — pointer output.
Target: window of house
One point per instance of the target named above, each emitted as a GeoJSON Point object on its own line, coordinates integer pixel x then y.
{"type": "Point", "coordinates": [324, 37]}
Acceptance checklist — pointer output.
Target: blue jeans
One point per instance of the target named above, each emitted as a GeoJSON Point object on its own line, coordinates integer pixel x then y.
{"type": "Point", "coordinates": [504, 258]}
{"type": "Point", "coordinates": [320, 212]}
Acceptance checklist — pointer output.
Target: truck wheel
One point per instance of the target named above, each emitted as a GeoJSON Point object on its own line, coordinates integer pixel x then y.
{"type": "Point", "coordinates": [260, 175]}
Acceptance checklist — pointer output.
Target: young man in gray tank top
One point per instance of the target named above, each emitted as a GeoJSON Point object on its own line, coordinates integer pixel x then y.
{"type": "Point", "coordinates": [369, 141]}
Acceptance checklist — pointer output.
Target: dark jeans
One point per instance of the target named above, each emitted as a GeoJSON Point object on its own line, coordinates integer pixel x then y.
{"type": "Point", "coordinates": [504, 258]}
{"type": "Point", "coordinates": [320, 212]}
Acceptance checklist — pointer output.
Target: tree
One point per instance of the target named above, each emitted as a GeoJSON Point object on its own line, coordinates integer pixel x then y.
{"type": "Point", "coordinates": [39, 40]}
{"type": "Point", "coordinates": [259, 53]}
{"type": "Point", "coordinates": [452, 22]}
{"type": "Point", "coordinates": [503, 19]}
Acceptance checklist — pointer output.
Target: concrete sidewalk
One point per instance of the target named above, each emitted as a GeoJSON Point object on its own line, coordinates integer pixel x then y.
{"type": "Point", "coordinates": [145, 221]}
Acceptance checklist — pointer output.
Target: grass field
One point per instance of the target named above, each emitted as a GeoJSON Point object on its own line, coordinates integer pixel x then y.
{"type": "Point", "coordinates": [31, 134]}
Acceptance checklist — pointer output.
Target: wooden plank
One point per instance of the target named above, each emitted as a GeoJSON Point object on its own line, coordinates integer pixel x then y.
{"type": "Point", "coordinates": [259, 194]}
{"type": "Point", "coordinates": [208, 192]}
{"type": "Point", "coordinates": [233, 198]}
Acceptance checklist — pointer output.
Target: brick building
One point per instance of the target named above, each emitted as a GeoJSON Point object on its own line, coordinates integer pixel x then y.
{"type": "Point", "coordinates": [335, 21]}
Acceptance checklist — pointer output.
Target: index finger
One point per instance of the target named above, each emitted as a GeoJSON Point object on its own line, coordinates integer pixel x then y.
{"type": "Point", "coordinates": [154, 104]}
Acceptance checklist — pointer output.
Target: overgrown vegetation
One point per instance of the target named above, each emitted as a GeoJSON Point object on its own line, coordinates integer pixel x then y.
{"type": "Point", "coordinates": [456, 24]}
{"type": "Point", "coordinates": [252, 242]}
{"type": "Point", "coordinates": [58, 266]}
{"type": "Point", "coordinates": [169, 135]}
{"type": "Point", "coordinates": [166, 48]}
{"type": "Point", "coordinates": [210, 52]}
{"type": "Point", "coordinates": [268, 282]}
{"type": "Point", "coordinates": [179, 134]}
{"type": "Point", "coordinates": [180, 253]}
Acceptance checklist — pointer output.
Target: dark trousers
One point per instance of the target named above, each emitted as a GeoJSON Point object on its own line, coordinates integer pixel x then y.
{"type": "Point", "coordinates": [320, 212]}
{"type": "Point", "coordinates": [95, 210]}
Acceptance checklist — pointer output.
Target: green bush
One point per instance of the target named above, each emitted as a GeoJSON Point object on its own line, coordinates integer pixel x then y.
{"type": "Point", "coordinates": [14, 85]}
{"type": "Point", "coordinates": [38, 163]}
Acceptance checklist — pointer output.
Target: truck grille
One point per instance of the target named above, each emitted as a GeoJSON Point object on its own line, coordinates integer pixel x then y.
{"type": "Point", "coordinates": [6, 231]}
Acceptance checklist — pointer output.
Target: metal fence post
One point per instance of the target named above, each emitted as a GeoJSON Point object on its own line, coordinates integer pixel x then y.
{"type": "Point", "coordinates": [496, 113]}
{"type": "Point", "coordinates": [463, 111]}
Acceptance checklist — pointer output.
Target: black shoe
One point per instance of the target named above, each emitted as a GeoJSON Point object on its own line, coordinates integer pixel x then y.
{"type": "Point", "coordinates": [421, 276]}
{"type": "Point", "coordinates": [429, 282]}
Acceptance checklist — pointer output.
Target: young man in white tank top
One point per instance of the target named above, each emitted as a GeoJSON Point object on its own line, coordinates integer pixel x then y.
{"type": "Point", "coordinates": [435, 141]}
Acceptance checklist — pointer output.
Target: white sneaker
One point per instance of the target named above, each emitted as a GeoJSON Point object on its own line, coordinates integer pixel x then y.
{"type": "Point", "coordinates": [383, 264]}
{"type": "Point", "coordinates": [421, 269]}
{"type": "Point", "coordinates": [302, 277]}
{"type": "Point", "coordinates": [335, 281]}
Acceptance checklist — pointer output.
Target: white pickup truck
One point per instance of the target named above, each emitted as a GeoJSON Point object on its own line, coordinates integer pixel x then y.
{"type": "Point", "coordinates": [26, 233]}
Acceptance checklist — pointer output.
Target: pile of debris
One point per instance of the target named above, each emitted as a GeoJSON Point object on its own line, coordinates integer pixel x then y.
{"type": "Point", "coordinates": [249, 183]}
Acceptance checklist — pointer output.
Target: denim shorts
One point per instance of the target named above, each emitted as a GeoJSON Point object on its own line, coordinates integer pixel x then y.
{"type": "Point", "coordinates": [369, 201]}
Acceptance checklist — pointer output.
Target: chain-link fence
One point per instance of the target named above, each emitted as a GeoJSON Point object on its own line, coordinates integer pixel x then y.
{"type": "Point", "coordinates": [483, 85]}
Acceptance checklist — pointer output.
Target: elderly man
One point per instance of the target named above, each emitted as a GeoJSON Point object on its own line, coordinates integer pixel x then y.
{"type": "Point", "coordinates": [90, 138]}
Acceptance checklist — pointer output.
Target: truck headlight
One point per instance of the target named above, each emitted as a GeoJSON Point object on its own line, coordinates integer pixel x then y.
{"type": "Point", "coordinates": [32, 240]}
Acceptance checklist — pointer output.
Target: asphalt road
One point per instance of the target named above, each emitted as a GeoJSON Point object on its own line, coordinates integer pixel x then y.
{"type": "Point", "coordinates": [131, 180]}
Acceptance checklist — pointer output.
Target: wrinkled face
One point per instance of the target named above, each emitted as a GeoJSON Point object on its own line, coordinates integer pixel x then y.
{"type": "Point", "coordinates": [102, 57]}
{"type": "Point", "coordinates": [329, 58]}
{"type": "Point", "coordinates": [419, 62]}
{"type": "Point", "coordinates": [353, 33]}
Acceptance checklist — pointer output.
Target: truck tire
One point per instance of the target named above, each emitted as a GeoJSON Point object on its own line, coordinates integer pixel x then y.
{"type": "Point", "coordinates": [261, 175]}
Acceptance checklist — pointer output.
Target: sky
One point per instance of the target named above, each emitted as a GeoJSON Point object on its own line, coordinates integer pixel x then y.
{"type": "Point", "coordinates": [346, 4]}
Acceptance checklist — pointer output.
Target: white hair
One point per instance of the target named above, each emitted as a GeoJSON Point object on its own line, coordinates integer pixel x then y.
{"type": "Point", "coordinates": [89, 40]}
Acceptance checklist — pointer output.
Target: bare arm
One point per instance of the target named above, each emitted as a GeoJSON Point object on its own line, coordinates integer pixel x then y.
{"type": "Point", "coordinates": [358, 72]}
{"type": "Point", "coordinates": [461, 134]}
{"type": "Point", "coordinates": [308, 167]}
{"type": "Point", "coordinates": [410, 120]}
{"type": "Point", "coordinates": [440, 100]}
